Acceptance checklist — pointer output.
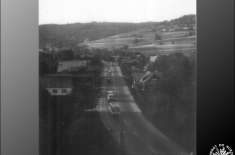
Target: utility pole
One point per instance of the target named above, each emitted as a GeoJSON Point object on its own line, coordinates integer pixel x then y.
{"type": "Point", "coordinates": [122, 143]}
{"type": "Point", "coordinates": [167, 114]}
{"type": "Point", "coordinates": [94, 89]}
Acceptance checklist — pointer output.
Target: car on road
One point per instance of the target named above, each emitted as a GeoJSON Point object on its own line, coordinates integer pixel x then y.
{"type": "Point", "coordinates": [114, 108]}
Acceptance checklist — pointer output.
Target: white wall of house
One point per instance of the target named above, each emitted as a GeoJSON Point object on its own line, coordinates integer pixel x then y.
{"type": "Point", "coordinates": [185, 28]}
{"type": "Point", "coordinates": [59, 91]}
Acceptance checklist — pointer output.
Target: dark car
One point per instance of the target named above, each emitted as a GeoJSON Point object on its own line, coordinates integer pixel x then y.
{"type": "Point", "coordinates": [108, 80]}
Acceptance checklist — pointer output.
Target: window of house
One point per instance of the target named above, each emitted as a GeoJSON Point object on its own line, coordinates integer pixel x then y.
{"type": "Point", "coordinates": [64, 90]}
{"type": "Point", "coordinates": [54, 90]}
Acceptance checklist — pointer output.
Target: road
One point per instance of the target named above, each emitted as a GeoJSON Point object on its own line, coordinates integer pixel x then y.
{"type": "Point", "coordinates": [140, 136]}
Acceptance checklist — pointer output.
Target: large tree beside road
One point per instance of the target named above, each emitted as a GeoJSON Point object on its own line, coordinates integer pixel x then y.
{"type": "Point", "coordinates": [173, 97]}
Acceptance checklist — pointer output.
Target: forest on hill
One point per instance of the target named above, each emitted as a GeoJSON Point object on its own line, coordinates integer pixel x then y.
{"type": "Point", "coordinates": [69, 35]}
{"type": "Point", "coordinates": [72, 34]}
{"type": "Point", "coordinates": [186, 19]}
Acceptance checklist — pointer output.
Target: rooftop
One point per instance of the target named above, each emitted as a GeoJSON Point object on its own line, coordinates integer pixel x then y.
{"type": "Point", "coordinates": [155, 74]}
{"type": "Point", "coordinates": [71, 65]}
{"type": "Point", "coordinates": [153, 58]}
{"type": "Point", "coordinates": [57, 81]}
{"type": "Point", "coordinates": [138, 76]}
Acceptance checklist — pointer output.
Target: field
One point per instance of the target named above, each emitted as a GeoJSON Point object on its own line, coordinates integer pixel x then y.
{"type": "Point", "coordinates": [171, 42]}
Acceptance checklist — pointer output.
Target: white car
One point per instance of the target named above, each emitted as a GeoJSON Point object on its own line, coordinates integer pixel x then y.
{"type": "Point", "coordinates": [114, 108]}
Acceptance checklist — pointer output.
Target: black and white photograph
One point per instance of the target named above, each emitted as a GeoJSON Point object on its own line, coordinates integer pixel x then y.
{"type": "Point", "coordinates": [117, 77]}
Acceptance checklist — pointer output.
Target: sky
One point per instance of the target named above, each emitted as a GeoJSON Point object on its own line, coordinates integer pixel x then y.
{"type": "Point", "coordinates": [83, 11]}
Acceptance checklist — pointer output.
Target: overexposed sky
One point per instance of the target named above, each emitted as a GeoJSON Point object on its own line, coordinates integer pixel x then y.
{"type": "Point", "coordinates": [74, 11]}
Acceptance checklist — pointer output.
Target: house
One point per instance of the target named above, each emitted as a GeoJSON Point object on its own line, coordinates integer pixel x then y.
{"type": "Point", "coordinates": [185, 28]}
{"type": "Point", "coordinates": [176, 27]}
{"type": "Point", "coordinates": [152, 59]}
{"type": "Point", "coordinates": [146, 80]}
{"type": "Point", "coordinates": [137, 77]}
{"type": "Point", "coordinates": [56, 49]}
{"type": "Point", "coordinates": [115, 58]}
{"type": "Point", "coordinates": [80, 70]}
{"type": "Point", "coordinates": [58, 85]}
{"type": "Point", "coordinates": [72, 66]}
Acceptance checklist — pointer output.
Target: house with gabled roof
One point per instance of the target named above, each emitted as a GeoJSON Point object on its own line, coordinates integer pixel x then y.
{"type": "Point", "coordinates": [58, 84]}
{"type": "Point", "coordinates": [72, 66]}
{"type": "Point", "coordinates": [153, 58]}
{"type": "Point", "coordinates": [145, 80]}
{"type": "Point", "coordinates": [80, 70]}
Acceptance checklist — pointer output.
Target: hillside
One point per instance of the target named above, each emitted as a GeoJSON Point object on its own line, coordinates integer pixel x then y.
{"type": "Point", "coordinates": [71, 34]}
{"type": "Point", "coordinates": [179, 35]}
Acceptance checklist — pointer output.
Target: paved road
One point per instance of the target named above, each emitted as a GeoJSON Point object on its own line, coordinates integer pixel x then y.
{"type": "Point", "coordinates": [140, 136]}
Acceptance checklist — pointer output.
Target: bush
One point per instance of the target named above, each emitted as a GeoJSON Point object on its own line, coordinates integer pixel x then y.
{"type": "Point", "coordinates": [157, 37]}
{"type": "Point", "coordinates": [136, 41]}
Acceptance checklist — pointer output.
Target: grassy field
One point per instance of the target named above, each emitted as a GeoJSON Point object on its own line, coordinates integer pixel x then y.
{"type": "Point", "coordinates": [171, 42]}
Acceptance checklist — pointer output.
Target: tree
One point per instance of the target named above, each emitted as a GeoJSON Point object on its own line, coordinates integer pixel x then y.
{"type": "Point", "coordinates": [47, 64]}
{"type": "Point", "coordinates": [66, 54]}
{"type": "Point", "coordinates": [158, 37]}
{"type": "Point", "coordinates": [96, 58]}
{"type": "Point", "coordinates": [190, 33]}
{"type": "Point", "coordinates": [44, 99]}
{"type": "Point", "coordinates": [136, 41]}
{"type": "Point", "coordinates": [175, 70]}
{"type": "Point", "coordinates": [142, 60]}
{"type": "Point", "coordinates": [125, 47]}
{"type": "Point", "coordinates": [137, 53]}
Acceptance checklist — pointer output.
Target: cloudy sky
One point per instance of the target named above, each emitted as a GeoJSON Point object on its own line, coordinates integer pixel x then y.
{"type": "Point", "coordinates": [73, 11]}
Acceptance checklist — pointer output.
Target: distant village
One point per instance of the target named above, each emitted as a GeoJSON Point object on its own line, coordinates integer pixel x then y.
{"type": "Point", "coordinates": [161, 28]}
